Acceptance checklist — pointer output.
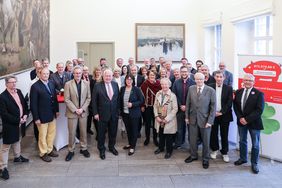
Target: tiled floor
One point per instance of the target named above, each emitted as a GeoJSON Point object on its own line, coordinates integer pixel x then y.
{"type": "Point", "coordinates": [143, 169]}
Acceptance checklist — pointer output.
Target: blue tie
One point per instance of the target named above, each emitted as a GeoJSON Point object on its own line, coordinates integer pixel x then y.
{"type": "Point", "coordinates": [46, 85]}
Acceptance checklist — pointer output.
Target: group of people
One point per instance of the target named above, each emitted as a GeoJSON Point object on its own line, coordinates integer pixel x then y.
{"type": "Point", "coordinates": [170, 102]}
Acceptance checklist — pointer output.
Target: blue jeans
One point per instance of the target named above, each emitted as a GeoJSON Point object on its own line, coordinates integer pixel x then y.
{"type": "Point", "coordinates": [255, 137]}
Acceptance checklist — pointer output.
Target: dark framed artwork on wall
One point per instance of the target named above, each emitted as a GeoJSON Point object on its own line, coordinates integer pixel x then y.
{"type": "Point", "coordinates": [24, 34]}
{"type": "Point", "coordinates": [154, 40]}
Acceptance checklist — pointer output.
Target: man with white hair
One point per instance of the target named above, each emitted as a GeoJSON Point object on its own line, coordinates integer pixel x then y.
{"type": "Point", "coordinates": [105, 110]}
{"type": "Point", "coordinates": [200, 114]}
{"type": "Point", "coordinates": [248, 106]}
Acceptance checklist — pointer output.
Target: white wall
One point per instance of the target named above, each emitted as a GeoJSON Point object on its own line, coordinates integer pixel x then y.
{"type": "Point", "coordinates": [95, 20]}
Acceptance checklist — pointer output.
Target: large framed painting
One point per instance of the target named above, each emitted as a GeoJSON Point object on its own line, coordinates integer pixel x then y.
{"type": "Point", "coordinates": [24, 34]}
{"type": "Point", "coordinates": [154, 40]}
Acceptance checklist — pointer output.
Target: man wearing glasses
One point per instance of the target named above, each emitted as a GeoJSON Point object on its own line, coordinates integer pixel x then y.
{"type": "Point", "coordinates": [248, 106]}
{"type": "Point", "coordinates": [13, 112]}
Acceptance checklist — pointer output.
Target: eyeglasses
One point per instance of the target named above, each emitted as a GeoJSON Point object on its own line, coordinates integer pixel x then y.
{"type": "Point", "coordinates": [248, 80]}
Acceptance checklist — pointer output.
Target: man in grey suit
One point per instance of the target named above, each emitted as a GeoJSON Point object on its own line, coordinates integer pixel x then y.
{"type": "Point", "coordinates": [200, 114]}
{"type": "Point", "coordinates": [60, 77]}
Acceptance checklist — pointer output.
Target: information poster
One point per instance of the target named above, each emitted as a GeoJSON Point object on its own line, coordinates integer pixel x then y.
{"type": "Point", "coordinates": [268, 79]}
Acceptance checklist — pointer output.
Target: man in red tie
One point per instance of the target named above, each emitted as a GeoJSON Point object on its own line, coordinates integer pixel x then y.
{"type": "Point", "coordinates": [105, 99]}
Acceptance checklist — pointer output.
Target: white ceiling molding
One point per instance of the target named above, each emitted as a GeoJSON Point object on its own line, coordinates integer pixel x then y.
{"type": "Point", "coordinates": [251, 8]}
{"type": "Point", "coordinates": [211, 19]}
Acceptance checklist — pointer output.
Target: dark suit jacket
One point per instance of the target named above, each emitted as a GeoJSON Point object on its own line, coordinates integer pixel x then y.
{"type": "Point", "coordinates": [211, 80]}
{"type": "Point", "coordinates": [226, 102]}
{"type": "Point", "coordinates": [32, 74]}
{"type": "Point", "coordinates": [43, 104]}
{"type": "Point", "coordinates": [177, 89]}
{"type": "Point", "coordinates": [253, 108]}
{"type": "Point", "coordinates": [58, 82]}
{"type": "Point", "coordinates": [136, 98]}
{"type": "Point", "coordinates": [10, 114]}
{"type": "Point", "coordinates": [101, 103]}
{"type": "Point", "coordinates": [140, 80]}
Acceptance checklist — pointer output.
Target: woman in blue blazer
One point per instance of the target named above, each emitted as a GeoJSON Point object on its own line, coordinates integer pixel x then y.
{"type": "Point", "coordinates": [131, 100]}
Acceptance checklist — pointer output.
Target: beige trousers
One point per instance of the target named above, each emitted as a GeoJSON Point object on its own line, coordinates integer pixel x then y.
{"type": "Point", "coordinates": [47, 133]}
{"type": "Point", "coordinates": [4, 155]}
{"type": "Point", "coordinates": [72, 126]}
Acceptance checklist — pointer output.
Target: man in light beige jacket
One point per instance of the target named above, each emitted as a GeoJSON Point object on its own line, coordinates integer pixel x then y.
{"type": "Point", "coordinates": [77, 98]}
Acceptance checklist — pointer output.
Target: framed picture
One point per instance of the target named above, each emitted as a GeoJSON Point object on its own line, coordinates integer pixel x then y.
{"type": "Point", "coordinates": [24, 34]}
{"type": "Point", "coordinates": [154, 40]}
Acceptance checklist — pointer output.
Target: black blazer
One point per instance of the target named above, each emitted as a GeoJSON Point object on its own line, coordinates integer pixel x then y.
{"type": "Point", "coordinates": [101, 103]}
{"type": "Point", "coordinates": [58, 82]}
{"type": "Point", "coordinates": [253, 108]}
{"type": "Point", "coordinates": [211, 80]}
{"type": "Point", "coordinates": [140, 80]}
{"type": "Point", "coordinates": [10, 114]}
{"type": "Point", "coordinates": [226, 102]}
{"type": "Point", "coordinates": [136, 98]}
{"type": "Point", "coordinates": [178, 90]}
{"type": "Point", "coordinates": [32, 74]}
{"type": "Point", "coordinates": [43, 104]}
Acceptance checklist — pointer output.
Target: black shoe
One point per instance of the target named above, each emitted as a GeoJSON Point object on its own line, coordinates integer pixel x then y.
{"type": "Point", "coordinates": [205, 164]}
{"type": "Point", "coordinates": [102, 155]}
{"type": "Point", "coordinates": [176, 147]}
{"type": "Point", "coordinates": [167, 155]}
{"type": "Point", "coordinates": [158, 151]}
{"type": "Point", "coordinates": [156, 143]}
{"type": "Point", "coordinates": [5, 174]}
{"type": "Point", "coordinates": [21, 159]}
{"type": "Point", "coordinates": [146, 142]}
{"type": "Point", "coordinates": [69, 156]}
{"type": "Point", "coordinates": [190, 159]}
{"type": "Point", "coordinates": [114, 151]}
{"type": "Point", "coordinates": [90, 132]}
{"type": "Point", "coordinates": [126, 147]}
{"type": "Point", "coordinates": [46, 158]}
{"type": "Point", "coordinates": [239, 162]}
{"type": "Point", "coordinates": [255, 169]}
{"type": "Point", "coordinates": [85, 153]}
{"type": "Point", "coordinates": [131, 152]}
{"type": "Point", "coordinates": [53, 153]}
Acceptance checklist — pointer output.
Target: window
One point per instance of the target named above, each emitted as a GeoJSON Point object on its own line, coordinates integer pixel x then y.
{"type": "Point", "coordinates": [263, 35]}
{"type": "Point", "coordinates": [213, 46]}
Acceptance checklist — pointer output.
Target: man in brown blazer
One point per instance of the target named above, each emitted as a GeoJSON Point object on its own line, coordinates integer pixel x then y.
{"type": "Point", "coordinates": [77, 98]}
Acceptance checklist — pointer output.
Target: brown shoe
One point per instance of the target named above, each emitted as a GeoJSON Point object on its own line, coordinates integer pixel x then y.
{"type": "Point", "coordinates": [46, 158]}
{"type": "Point", "coordinates": [53, 153]}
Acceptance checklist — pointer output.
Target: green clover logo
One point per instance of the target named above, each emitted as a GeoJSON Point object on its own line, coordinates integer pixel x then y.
{"type": "Point", "coordinates": [270, 125]}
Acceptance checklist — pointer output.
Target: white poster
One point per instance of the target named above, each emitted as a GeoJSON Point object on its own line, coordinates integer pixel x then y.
{"type": "Point", "coordinates": [268, 79]}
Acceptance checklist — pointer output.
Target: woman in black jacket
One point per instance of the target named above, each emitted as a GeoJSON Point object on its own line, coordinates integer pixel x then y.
{"type": "Point", "coordinates": [131, 100]}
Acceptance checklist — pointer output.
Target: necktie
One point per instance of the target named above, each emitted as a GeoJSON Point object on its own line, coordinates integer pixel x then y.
{"type": "Point", "coordinates": [199, 92]}
{"type": "Point", "coordinates": [110, 93]}
{"type": "Point", "coordinates": [47, 87]}
{"type": "Point", "coordinates": [184, 93]}
{"type": "Point", "coordinates": [245, 98]}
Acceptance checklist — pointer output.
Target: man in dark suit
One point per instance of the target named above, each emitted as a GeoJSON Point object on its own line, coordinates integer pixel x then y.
{"type": "Point", "coordinates": [88, 78]}
{"type": "Point", "coordinates": [37, 64]}
{"type": "Point", "coordinates": [200, 114]}
{"type": "Point", "coordinates": [60, 77]}
{"type": "Point", "coordinates": [223, 116]}
{"type": "Point", "coordinates": [13, 112]}
{"type": "Point", "coordinates": [44, 107]}
{"type": "Point", "coordinates": [248, 106]}
{"type": "Point", "coordinates": [228, 75]}
{"type": "Point", "coordinates": [105, 101]}
{"type": "Point", "coordinates": [209, 79]}
{"type": "Point", "coordinates": [180, 89]}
